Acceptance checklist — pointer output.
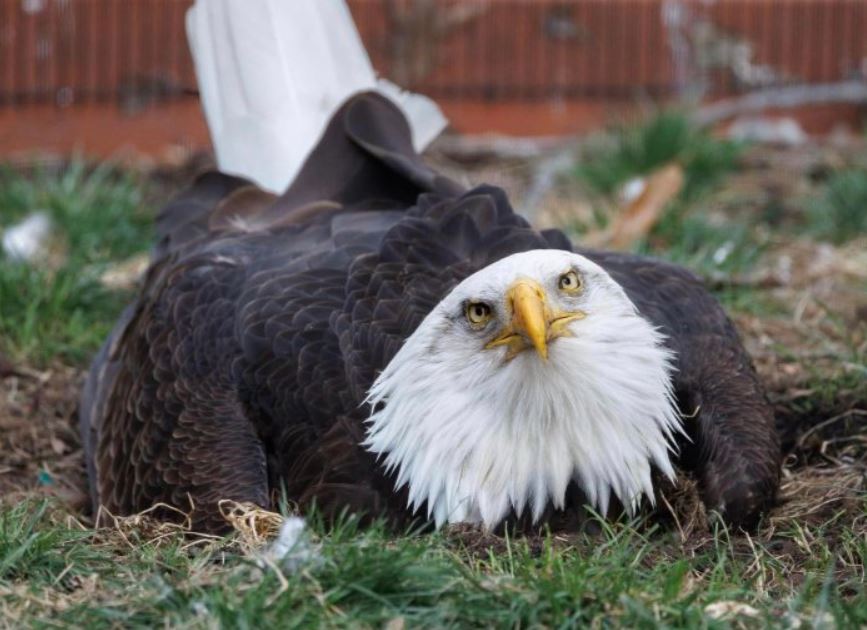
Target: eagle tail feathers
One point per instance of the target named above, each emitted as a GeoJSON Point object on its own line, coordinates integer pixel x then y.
{"type": "Point", "coordinates": [271, 74]}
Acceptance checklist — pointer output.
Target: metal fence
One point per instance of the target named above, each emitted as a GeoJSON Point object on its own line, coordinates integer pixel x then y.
{"type": "Point", "coordinates": [134, 52]}
{"type": "Point", "coordinates": [69, 52]}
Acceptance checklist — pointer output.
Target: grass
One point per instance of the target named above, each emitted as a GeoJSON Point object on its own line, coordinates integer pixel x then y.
{"type": "Point", "coordinates": [629, 575]}
{"type": "Point", "coordinates": [746, 300]}
{"type": "Point", "coordinates": [64, 314]}
{"type": "Point", "coordinates": [686, 237]}
{"type": "Point", "coordinates": [32, 549]}
{"type": "Point", "coordinates": [667, 137]}
{"type": "Point", "coordinates": [840, 212]}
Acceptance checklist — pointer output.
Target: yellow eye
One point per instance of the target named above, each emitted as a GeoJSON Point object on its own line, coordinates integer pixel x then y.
{"type": "Point", "coordinates": [570, 282]}
{"type": "Point", "coordinates": [478, 313]}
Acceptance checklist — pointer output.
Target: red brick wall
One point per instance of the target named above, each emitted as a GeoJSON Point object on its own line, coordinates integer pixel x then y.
{"type": "Point", "coordinates": [86, 50]}
{"type": "Point", "coordinates": [520, 66]}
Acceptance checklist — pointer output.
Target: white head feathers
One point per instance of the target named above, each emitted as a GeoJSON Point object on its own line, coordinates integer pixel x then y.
{"type": "Point", "coordinates": [478, 423]}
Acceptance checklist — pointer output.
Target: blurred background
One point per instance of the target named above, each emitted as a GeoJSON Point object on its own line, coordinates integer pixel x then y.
{"type": "Point", "coordinates": [101, 76]}
{"type": "Point", "coordinates": [727, 136]}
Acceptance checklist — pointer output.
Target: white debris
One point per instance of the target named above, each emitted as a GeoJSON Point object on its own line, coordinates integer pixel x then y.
{"type": "Point", "coordinates": [820, 621]}
{"type": "Point", "coordinates": [632, 190]}
{"type": "Point", "coordinates": [723, 252]}
{"type": "Point", "coordinates": [292, 550]}
{"type": "Point", "coordinates": [199, 608]}
{"type": "Point", "coordinates": [729, 609]}
{"type": "Point", "coordinates": [29, 239]}
{"type": "Point", "coordinates": [778, 131]}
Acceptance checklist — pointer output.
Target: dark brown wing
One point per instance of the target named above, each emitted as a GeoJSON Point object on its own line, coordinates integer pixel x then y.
{"type": "Point", "coordinates": [243, 367]}
{"type": "Point", "coordinates": [734, 448]}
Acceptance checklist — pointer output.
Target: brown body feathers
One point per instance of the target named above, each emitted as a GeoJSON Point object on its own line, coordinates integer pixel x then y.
{"type": "Point", "coordinates": [242, 368]}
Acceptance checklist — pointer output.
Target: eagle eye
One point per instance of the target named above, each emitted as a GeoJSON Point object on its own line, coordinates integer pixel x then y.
{"type": "Point", "coordinates": [478, 313]}
{"type": "Point", "coordinates": [570, 282]}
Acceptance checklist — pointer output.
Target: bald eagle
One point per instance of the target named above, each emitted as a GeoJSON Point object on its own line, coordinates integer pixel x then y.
{"type": "Point", "coordinates": [380, 339]}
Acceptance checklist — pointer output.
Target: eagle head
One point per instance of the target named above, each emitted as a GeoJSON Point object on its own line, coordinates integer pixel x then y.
{"type": "Point", "coordinates": [533, 372]}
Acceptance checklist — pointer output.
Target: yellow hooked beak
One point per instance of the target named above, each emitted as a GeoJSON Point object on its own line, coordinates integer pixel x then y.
{"type": "Point", "coordinates": [533, 323]}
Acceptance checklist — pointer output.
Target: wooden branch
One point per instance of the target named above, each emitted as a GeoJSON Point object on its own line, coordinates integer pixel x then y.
{"type": "Point", "coordinates": [640, 215]}
{"type": "Point", "coordinates": [786, 97]}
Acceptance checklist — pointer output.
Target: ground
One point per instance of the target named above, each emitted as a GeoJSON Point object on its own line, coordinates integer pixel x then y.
{"type": "Point", "coordinates": [778, 233]}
